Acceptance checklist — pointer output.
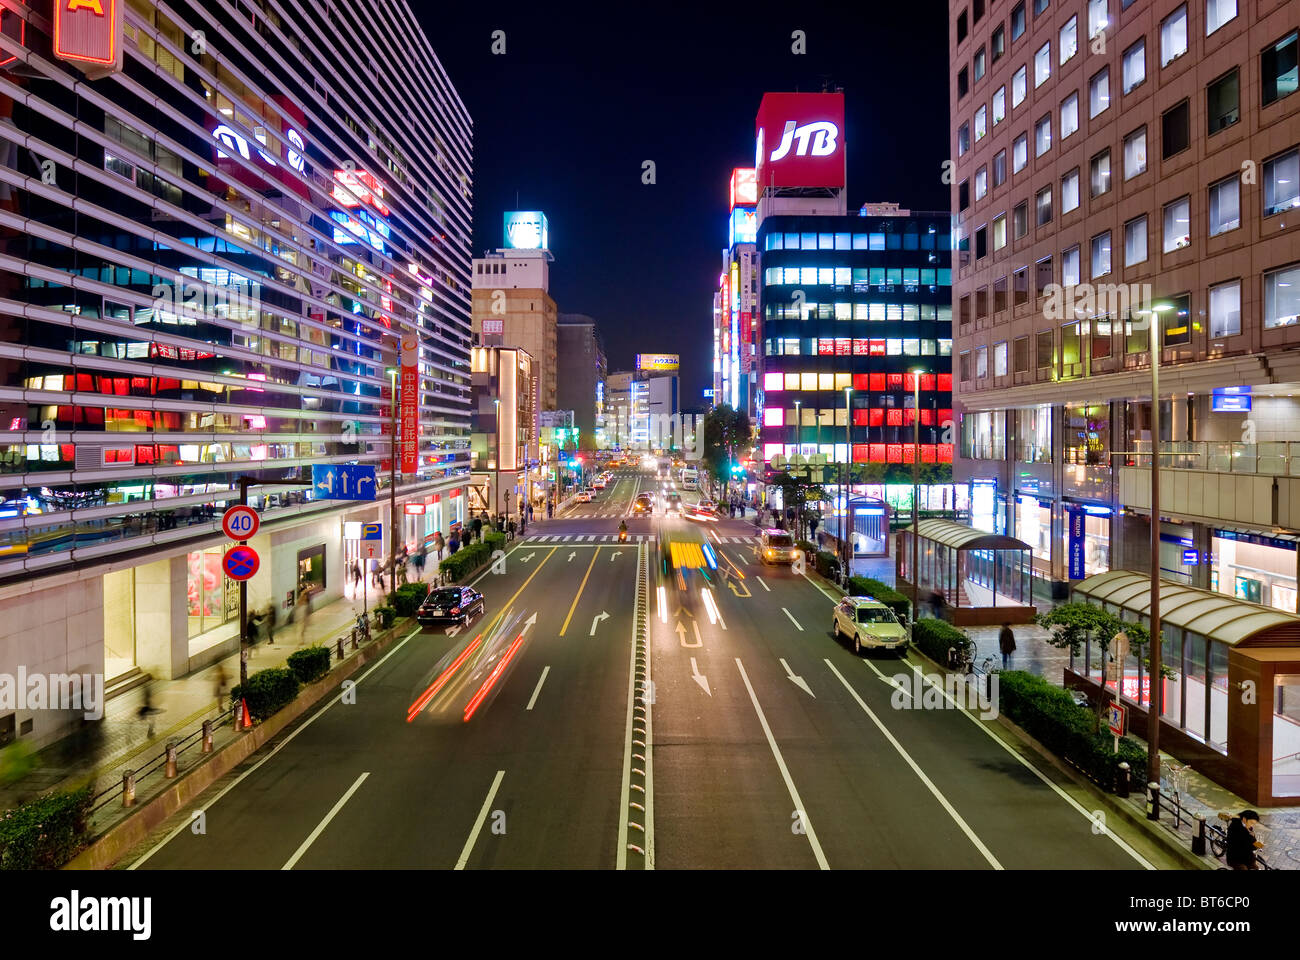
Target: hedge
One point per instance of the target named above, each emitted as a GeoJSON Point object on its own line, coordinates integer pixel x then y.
{"type": "Point", "coordinates": [866, 586]}
{"type": "Point", "coordinates": [1050, 715]}
{"type": "Point", "coordinates": [494, 541]}
{"type": "Point", "coordinates": [470, 558]}
{"type": "Point", "coordinates": [268, 691]}
{"type": "Point", "coordinates": [827, 564]}
{"type": "Point", "coordinates": [406, 599]}
{"type": "Point", "coordinates": [310, 663]}
{"type": "Point", "coordinates": [46, 833]}
{"type": "Point", "coordinates": [934, 638]}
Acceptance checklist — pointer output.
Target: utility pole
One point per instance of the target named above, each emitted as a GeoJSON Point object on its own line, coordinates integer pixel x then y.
{"type": "Point", "coordinates": [1155, 707]}
{"type": "Point", "coordinates": [916, 488]}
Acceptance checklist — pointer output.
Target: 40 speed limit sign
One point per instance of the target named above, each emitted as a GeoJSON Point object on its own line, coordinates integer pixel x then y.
{"type": "Point", "coordinates": [240, 523]}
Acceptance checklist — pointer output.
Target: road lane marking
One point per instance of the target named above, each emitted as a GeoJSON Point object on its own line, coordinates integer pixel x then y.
{"type": "Point", "coordinates": [540, 680]}
{"type": "Point", "coordinates": [320, 827]}
{"type": "Point", "coordinates": [902, 752]}
{"type": "Point", "coordinates": [785, 773]}
{"type": "Point", "coordinates": [478, 824]}
{"type": "Point", "coordinates": [800, 682]}
{"type": "Point", "coordinates": [700, 678]}
{"type": "Point", "coordinates": [578, 595]}
{"type": "Point", "coordinates": [1146, 864]}
{"type": "Point", "coordinates": [763, 584]}
{"type": "Point", "coordinates": [185, 824]}
{"type": "Point", "coordinates": [792, 619]}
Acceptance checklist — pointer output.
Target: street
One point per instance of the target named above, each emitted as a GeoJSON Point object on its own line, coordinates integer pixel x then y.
{"type": "Point", "coordinates": [772, 746]}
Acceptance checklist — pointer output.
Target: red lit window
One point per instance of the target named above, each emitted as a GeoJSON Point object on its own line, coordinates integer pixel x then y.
{"type": "Point", "coordinates": [94, 415]}
{"type": "Point", "coordinates": [894, 453]}
{"type": "Point", "coordinates": [909, 382]}
{"type": "Point", "coordinates": [826, 347]}
{"type": "Point", "coordinates": [877, 348]}
{"type": "Point", "coordinates": [928, 453]}
{"type": "Point", "coordinates": [842, 346]}
{"type": "Point", "coordinates": [144, 454]}
{"type": "Point", "coordinates": [877, 418]}
{"type": "Point", "coordinates": [861, 348]}
{"type": "Point", "coordinates": [121, 386]}
{"type": "Point", "coordinates": [859, 453]}
{"type": "Point", "coordinates": [166, 383]}
{"type": "Point", "coordinates": [85, 381]}
{"type": "Point", "coordinates": [893, 417]}
{"type": "Point", "coordinates": [877, 382]}
{"type": "Point", "coordinates": [907, 452]}
{"type": "Point", "coordinates": [860, 382]}
{"type": "Point", "coordinates": [945, 382]}
{"type": "Point", "coordinates": [927, 417]}
{"type": "Point", "coordinates": [67, 452]}
{"type": "Point", "coordinates": [945, 415]}
{"type": "Point", "coordinates": [895, 381]}
{"type": "Point", "coordinates": [927, 381]}
{"type": "Point", "coordinates": [877, 452]}
{"type": "Point", "coordinates": [909, 416]}
{"type": "Point", "coordinates": [945, 452]}
{"type": "Point", "coordinates": [860, 417]}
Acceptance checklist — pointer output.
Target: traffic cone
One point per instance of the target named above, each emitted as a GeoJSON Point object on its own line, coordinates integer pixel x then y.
{"type": "Point", "coordinates": [246, 721]}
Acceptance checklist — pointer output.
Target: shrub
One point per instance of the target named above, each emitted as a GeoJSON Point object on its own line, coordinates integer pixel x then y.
{"type": "Point", "coordinates": [494, 541]}
{"type": "Point", "coordinates": [46, 833]}
{"type": "Point", "coordinates": [310, 663]}
{"type": "Point", "coordinates": [1050, 715]}
{"type": "Point", "coordinates": [268, 691]}
{"type": "Point", "coordinates": [935, 637]}
{"type": "Point", "coordinates": [827, 564]}
{"type": "Point", "coordinates": [386, 617]}
{"type": "Point", "coordinates": [467, 559]}
{"type": "Point", "coordinates": [866, 586]}
{"type": "Point", "coordinates": [407, 598]}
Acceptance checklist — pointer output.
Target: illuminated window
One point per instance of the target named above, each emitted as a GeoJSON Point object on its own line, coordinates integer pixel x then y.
{"type": "Point", "coordinates": [825, 381]}
{"type": "Point", "coordinates": [1019, 86]}
{"type": "Point", "coordinates": [773, 417]}
{"type": "Point", "coordinates": [772, 382]}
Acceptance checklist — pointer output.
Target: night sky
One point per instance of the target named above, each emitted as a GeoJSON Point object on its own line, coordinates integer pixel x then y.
{"type": "Point", "coordinates": [564, 120]}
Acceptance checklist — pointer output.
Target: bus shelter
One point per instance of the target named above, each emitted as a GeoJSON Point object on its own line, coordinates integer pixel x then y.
{"type": "Point", "coordinates": [981, 578]}
{"type": "Point", "coordinates": [1229, 690]}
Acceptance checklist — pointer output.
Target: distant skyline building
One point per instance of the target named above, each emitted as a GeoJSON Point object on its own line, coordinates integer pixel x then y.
{"type": "Point", "coordinates": [580, 375]}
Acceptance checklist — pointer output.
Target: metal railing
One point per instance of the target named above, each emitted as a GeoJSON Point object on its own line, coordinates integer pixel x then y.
{"type": "Point", "coordinates": [1278, 458]}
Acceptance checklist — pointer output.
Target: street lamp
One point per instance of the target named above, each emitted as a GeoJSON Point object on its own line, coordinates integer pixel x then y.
{"type": "Point", "coordinates": [916, 487]}
{"type": "Point", "coordinates": [496, 409]}
{"type": "Point", "coordinates": [798, 447]}
{"type": "Point", "coordinates": [844, 482]}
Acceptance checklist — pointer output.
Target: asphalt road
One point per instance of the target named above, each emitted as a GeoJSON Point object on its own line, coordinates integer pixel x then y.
{"type": "Point", "coordinates": [771, 745]}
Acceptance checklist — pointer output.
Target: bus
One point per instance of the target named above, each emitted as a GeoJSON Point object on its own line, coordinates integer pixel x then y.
{"type": "Point", "coordinates": [690, 478]}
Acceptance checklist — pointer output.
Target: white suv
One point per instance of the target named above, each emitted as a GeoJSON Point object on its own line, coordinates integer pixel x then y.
{"type": "Point", "coordinates": [868, 624]}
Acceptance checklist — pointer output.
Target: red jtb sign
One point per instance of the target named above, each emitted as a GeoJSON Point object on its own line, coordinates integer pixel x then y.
{"type": "Point", "coordinates": [88, 33]}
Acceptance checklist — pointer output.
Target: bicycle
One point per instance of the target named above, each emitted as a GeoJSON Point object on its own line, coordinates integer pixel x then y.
{"type": "Point", "coordinates": [1218, 840]}
{"type": "Point", "coordinates": [962, 658]}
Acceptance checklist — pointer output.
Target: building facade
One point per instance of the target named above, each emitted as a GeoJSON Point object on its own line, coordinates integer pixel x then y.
{"type": "Point", "coordinates": [508, 464]}
{"type": "Point", "coordinates": [512, 307]}
{"type": "Point", "coordinates": [1122, 167]}
{"type": "Point", "coordinates": [580, 375]}
{"type": "Point", "coordinates": [208, 263]}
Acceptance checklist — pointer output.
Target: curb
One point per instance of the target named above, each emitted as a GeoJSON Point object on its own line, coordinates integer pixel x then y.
{"type": "Point", "coordinates": [104, 852]}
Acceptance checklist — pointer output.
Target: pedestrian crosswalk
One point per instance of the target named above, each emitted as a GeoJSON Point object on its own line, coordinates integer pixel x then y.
{"type": "Point", "coordinates": [613, 538]}
{"type": "Point", "coordinates": [594, 516]}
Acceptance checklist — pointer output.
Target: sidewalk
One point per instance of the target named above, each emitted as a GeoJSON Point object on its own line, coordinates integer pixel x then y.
{"type": "Point", "coordinates": [123, 738]}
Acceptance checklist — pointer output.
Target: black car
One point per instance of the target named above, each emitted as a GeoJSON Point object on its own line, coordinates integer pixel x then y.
{"type": "Point", "coordinates": [449, 605]}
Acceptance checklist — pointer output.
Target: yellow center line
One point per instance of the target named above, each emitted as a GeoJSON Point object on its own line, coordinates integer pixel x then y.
{"type": "Point", "coordinates": [507, 605]}
{"type": "Point", "coordinates": [579, 594]}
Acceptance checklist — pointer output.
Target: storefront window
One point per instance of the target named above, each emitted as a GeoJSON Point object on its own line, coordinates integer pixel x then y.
{"type": "Point", "coordinates": [1034, 434]}
{"type": "Point", "coordinates": [1286, 735]}
{"type": "Point", "coordinates": [1034, 527]}
{"type": "Point", "coordinates": [1087, 435]}
{"type": "Point", "coordinates": [1096, 544]}
{"type": "Point", "coordinates": [211, 598]}
{"type": "Point", "coordinates": [1171, 656]}
{"type": "Point", "coordinates": [1219, 696]}
{"type": "Point", "coordinates": [311, 569]}
{"type": "Point", "coordinates": [1195, 689]}
{"type": "Point", "coordinates": [1256, 569]}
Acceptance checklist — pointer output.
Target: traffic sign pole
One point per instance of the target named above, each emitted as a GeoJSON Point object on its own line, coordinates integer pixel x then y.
{"type": "Point", "coordinates": [243, 618]}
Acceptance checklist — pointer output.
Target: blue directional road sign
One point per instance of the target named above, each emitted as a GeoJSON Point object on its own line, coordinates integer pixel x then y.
{"type": "Point", "coordinates": [343, 481]}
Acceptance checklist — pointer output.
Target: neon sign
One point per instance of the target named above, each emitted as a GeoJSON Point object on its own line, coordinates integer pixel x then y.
{"type": "Point", "coordinates": [239, 144]}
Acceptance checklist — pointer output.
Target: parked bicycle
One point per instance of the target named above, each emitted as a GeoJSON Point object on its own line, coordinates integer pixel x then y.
{"type": "Point", "coordinates": [961, 657]}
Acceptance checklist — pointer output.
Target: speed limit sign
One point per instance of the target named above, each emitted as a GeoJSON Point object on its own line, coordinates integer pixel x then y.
{"type": "Point", "coordinates": [240, 523]}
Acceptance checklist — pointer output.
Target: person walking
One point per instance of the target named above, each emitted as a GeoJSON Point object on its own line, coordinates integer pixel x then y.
{"type": "Point", "coordinates": [420, 557]}
{"type": "Point", "coordinates": [453, 544]}
{"type": "Point", "coordinates": [303, 611]}
{"type": "Point", "coordinates": [511, 527]}
{"type": "Point", "coordinates": [356, 577]}
{"type": "Point", "coordinates": [439, 544]}
{"type": "Point", "coordinates": [550, 509]}
{"type": "Point", "coordinates": [146, 710]}
{"type": "Point", "coordinates": [1007, 644]}
{"type": "Point", "coordinates": [1241, 846]}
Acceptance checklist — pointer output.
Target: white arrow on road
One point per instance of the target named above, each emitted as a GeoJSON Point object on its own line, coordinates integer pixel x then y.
{"type": "Point", "coordinates": [528, 623]}
{"type": "Point", "coordinates": [452, 631]}
{"type": "Point", "coordinates": [595, 620]}
{"type": "Point", "coordinates": [891, 682]}
{"type": "Point", "coordinates": [800, 682]}
{"type": "Point", "coordinates": [616, 553]}
{"type": "Point", "coordinates": [792, 619]}
{"type": "Point", "coordinates": [700, 678]}
{"type": "Point", "coordinates": [527, 558]}
{"type": "Point", "coordinates": [572, 554]}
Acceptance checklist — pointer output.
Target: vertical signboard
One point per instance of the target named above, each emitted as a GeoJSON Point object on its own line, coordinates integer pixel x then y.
{"type": "Point", "coordinates": [1074, 518]}
{"type": "Point", "coordinates": [410, 411]}
{"type": "Point", "coordinates": [800, 140]}
{"type": "Point", "coordinates": [88, 34]}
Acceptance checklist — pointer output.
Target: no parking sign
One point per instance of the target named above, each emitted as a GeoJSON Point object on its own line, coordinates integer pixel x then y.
{"type": "Point", "coordinates": [240, 563]}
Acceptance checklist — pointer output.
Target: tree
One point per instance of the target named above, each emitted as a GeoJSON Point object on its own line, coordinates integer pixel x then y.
{"type": "Point", "coordinates": [1071, 624]}
{"type": "Point", "coordinates": [727, 433]}
{"type": "Point", "coordinates": [796, 492]}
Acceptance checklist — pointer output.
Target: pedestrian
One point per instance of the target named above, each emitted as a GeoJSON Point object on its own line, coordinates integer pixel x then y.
{"type": "Point", "coordinates": [439, 544]}
{"type": "Point", "coordinates": [477, 526]}
{"type": "Point", "coordinates": [1241, 846]}
{"type": "Point", "coordinates": [812, 527]}
{"type": "Point", "coordinates": [303, 612]}
{"type": "Point", "coordinates": [530, 512]}
{"type": "Point", "coordinates": [511, 528]}
{"type": "Point", "coordinates": [453, 544]}
{"type": "Point", "coordinates": [269, 618]}
{"type": "Point", "coordinates": [221, 680]}
{"type": "Point", "coordinates": [356, 576]}
{"type": "Point", "coordinates": [1007, 644]}
{"type": "Point", "coordinates": [146, 710]}
{"type": "Point", "coordinates": [420, 557]}
{"type": "Point", "coordinates": [550, 509]}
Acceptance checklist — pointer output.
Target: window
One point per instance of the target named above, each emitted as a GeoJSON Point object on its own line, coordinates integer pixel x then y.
{"type": "Point", "coordinates": [1020, 218]}
{"type": "Point", "coordinates": [1278, 69]}
{"type": "Point", "coordinates": [1069, 39]}
{"type": "Point", "coordinates": [1043, 64]}
{"type": "Point", "coordinates": [1020, 286]}
{"type": "Point", "coordinates": [1101, 255]}
{"type": "Point", "coordinates": [1021, 355]}
{"type": "Point", "coordinates": [1069, 115]}
{"type": "Point", "coordinates": [981, 363]}
{"type": "Point", "coordinates": [982, 242]}
{"type": "Point", "coordinates": [1040, 6]}
{"type": "Point", "coordinates": [999, 168]}
{"type": "Point", "coordinates": [1099, 173]}
{"type": "Point", "coordinates": [1017, 21]}
{"type": "Point", "coordinates": [978, 65]}
{"type": "Point", "coordinates": [1043, 349]}
{"type": "Point", "coordinates": [1135, 65]}
{"type": "Point", "coordinates": [964, 364]}
{"type": "Point", "coordinates": [1043, 275]}
{"type": "Point", "coordinates": [998, 45]}
{"type": "Point", "coordinates": [1173, 36]}
{"type": "Point", "coordinates": [1222, 100]}
{"type": "Point", "coordinates": [963, 82]}
{"type": "Point", "coordinates": [1225, 205]}
{"type": "Point", "coordinates": [1282, 297]}
{"type": "Point", "coordinates": [1176, 323]}
{"type": "Point", "coordinates": [1043, 135]}
{"type": "Point", "coordinates": [1217, 13]}
{"type": "Point", "coordinates": [1135, 241]}
{"type": "Point", "coordinates": [963, 195]}
{"type": "Point", "coordinates": [963, 139]}
{"type": "Point", "coordinates": [999, 294]}
{"type": "Point", "coordinates": [999, 105]}
{"type": "Point", "coordinates": [1000, 359]}
{"type": "Point", "coordinates": [977, 11]}
{"type": "Point", "coordinates": [981, 122]}
{"type": "Point", "coordinates": [1225, 309]}
{"type": "Point", "coordinates": [999, 232]}
{"type": "Point", "coordinates": [962, 28]}
{"type": "Point", "coordinates": [1070, 267]}
{"type": "Point", "coordinates": [1178, 224]}
{"type": "Point", "coordinates": [1070, 191]}
{"type": "Point", "coordinates": [1019, 153]}
{"type": "Point", "coordinates": [1043, 204]}
{"type": "Point", "coordinates": [981, 182]}
{"type": "Point", "coordinates": [1099, 92]}
{"type": "Point", "coordinates": [1135, 153]}
{"type": "Point", "coordinates": [1280, 183]}
{"type": "Point", "coordinates": [1176, 130]}
{"type": "Point", "coordinates": [1018, 86]}
{"type": "Point", "coordinates": [1098, 17]}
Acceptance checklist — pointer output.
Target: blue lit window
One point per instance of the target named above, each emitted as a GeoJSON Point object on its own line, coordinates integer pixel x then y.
{"type": "Point", "coordinates": [842, 241]}
{"type": "Point", "coordinates": [910, 241]}
{"type": "Point", "coordinates": [808, 276]}
{"type": "Point", "coordinates": [808, 241]}
{"type": "Point", "coordinates": [843, 276]}
{"type": "Point", "coordinates": [825, 241]}
{"type": "Point", "coordinates": [877, 241]}
{"type": "Point", "coordinates": [877, 274]}
{"type": "Point", "coordinates": [894, 275]}
{"type": "Point", "coordinates": [860, 241]}
{"type": "Point", "coordinates": [825, 275]}
{"type": "Point", "coordinates": [774, 241]}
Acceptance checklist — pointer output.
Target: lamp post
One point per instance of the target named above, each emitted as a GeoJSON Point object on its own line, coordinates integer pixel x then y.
{"type": "Point", "coordinates": [1155, 707]}
{"type": "Point", "coordinates": [798, 446]}
{"type": "Point", "coordinates": [496, 412]}
{"type": "Point", "coordinates": [916, 488]}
